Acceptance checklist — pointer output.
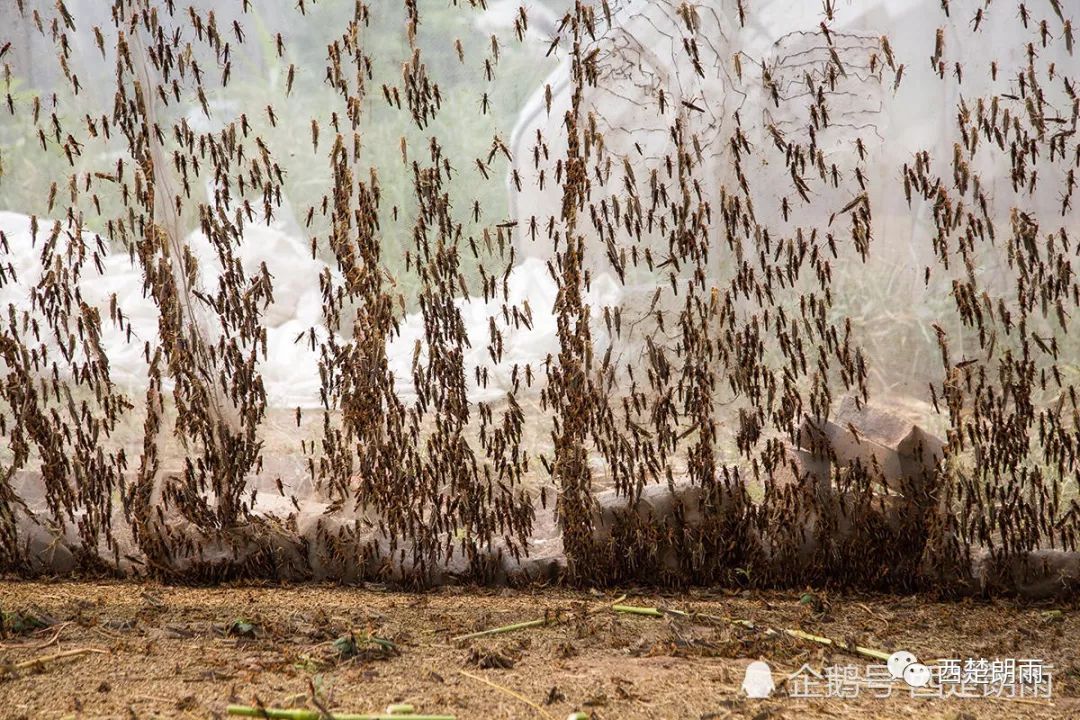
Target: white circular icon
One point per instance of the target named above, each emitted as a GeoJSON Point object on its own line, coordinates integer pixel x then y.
{"type": "Point", "coordinates": [898, 662]}
{"type": "Point", "coordinates": [917, 675]}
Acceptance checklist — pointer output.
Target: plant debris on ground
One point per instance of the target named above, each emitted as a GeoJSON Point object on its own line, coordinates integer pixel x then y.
{"type": "Point", "coordinates": [359, 650]}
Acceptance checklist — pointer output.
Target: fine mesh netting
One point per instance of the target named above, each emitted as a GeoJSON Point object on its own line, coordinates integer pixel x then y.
{"type": "Point", "coordinates": [734, 291]}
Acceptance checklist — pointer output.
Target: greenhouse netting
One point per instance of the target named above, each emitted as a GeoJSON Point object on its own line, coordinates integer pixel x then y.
{"type": "Point", "coordinates": [731, 291]}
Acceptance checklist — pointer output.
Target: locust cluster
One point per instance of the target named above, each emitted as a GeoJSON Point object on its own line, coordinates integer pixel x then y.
{"type": "Point", "coordinates": [1004, 243]}
{"type": "Point", "coordinates": [730, 194]}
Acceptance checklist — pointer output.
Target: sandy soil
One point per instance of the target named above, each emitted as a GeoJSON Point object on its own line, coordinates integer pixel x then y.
{"type": "Point", "coordinates": [189, 652]}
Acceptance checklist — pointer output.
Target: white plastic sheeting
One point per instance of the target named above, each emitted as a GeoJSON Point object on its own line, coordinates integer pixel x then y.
{"type": "Point", "coordinates": [893, 111]}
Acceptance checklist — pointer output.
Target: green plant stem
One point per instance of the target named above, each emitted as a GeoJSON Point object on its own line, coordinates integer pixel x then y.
{"type": "Point", "coordinates": [521, 625]}
{"type": "Point", "coordinates": [634, 610]}
{"type": "Point", "coordinates": [857, 649]}
{"type": "Point", "coordinates": [502, 629]}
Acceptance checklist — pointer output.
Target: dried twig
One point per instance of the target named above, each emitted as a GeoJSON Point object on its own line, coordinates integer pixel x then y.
{"type": "Point", "coordinates": [840, 645]}
{"type": "Point", "coordinates": [511, 693]}
{"type": "Point", "coordinates": [41, 661]}
{"type": "Point", "coordinates": [505, 629]}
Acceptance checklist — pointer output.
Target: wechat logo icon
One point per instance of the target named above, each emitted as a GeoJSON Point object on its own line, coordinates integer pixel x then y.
{"type": "Point", "coordinates": [903, 665]}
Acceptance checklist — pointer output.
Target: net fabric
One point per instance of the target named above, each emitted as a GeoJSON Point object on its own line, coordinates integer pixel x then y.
{"type": "Point", "coordinates": [635, 319]}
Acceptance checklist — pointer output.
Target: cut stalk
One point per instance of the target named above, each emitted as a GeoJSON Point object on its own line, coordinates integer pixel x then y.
{"type": "Point", "coordinates": [634, 610]}
{"type": "Point", "coordinates": [57, 656]}
{"type": "Point", "coordinates": [502, 629]}
{"type": "Point", "coordinates": [522, 625]}
{"type": "Point", "coordinates": [661, 612]}
{"type": "Point", "coordinates": [857, 649]}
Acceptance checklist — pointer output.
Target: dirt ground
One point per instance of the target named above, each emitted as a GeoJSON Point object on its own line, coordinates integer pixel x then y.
{"type": "Point", "coordinates": [184, 652]}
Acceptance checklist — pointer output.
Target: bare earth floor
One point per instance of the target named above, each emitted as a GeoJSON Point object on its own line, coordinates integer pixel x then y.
{"type": "Point", "coordinates": [189, 652]}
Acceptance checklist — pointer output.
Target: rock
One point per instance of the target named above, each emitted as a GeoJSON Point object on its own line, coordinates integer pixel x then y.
{"type": "Point", "coordinates": [1038, 574]}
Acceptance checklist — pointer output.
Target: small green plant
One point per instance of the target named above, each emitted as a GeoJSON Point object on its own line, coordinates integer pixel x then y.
{"type": "Point", "coordinates": [21, 622]}
{"type": "Point", "coordinates": [243, 628]}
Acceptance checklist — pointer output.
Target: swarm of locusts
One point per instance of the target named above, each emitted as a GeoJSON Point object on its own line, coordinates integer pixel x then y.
{"type": "Point", "coordinates": [732, 194]}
